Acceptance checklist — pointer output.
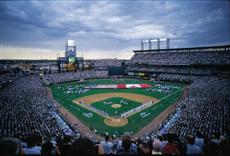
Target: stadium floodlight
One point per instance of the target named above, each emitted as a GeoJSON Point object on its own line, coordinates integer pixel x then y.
{"type": "Point", "coordinates": [145, 41]}
{"type": "Point", "coordinates": [149, 41]}
{"type": "Point", "coordinates": [157, 40]}
{"type": "Point", "coordinates": [154, 40]}
{"type": "Point", "coordinates": [166, 40]}
{"type": "Point", "coordinates": [163, 39]}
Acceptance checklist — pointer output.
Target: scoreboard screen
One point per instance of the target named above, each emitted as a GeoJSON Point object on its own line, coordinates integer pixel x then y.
{"type": "Point", "coordinates": [72, 59]}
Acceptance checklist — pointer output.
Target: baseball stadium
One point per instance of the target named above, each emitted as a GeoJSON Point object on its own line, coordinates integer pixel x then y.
{"type": "Point", "coordinates": [114, 78]}
{"type": "Point", "coordinates": [115, 106]}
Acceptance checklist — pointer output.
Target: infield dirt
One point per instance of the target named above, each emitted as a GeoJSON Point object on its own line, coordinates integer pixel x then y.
{"type": "Point", "coordinates": [99, 97]}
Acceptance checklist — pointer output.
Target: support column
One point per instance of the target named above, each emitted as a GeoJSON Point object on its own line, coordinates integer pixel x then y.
{"type": "Point", "coordinates": [142, 45]}
{"type": "Point", "coordinates": [150, 44]}
{"type": "Point", "coordinates": [158, 44]}
{"type": "Point", "coordinates": [167, 42]}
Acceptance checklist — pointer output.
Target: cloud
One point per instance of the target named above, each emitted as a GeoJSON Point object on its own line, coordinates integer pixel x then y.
{"type": "Point", "coordinates": [25, 53]}
{"type": "Point", "coordinates": [111, 26]}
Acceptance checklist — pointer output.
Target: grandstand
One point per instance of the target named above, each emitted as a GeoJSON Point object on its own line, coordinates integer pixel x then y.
{"type": "Point", "coordinates": [181, 63]}
{"type": "Point", "coordinates": [27, 109]}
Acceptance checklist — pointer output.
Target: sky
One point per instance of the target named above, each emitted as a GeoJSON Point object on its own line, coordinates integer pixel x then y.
{"type": "Point", "coordinates": [108, 29]}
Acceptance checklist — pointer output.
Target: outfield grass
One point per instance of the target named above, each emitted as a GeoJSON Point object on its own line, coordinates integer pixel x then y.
{"type": "Point", "coordinates": [136, 121]}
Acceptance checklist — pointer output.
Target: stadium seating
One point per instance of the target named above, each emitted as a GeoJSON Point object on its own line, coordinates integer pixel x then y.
{"type": "Point", "coordinates": [71, 76]}
{"type": "Point", "coordinates": [200, 124]}
{"type": "Point", "coordinates": [26, 109]}
{"type": "Point", "coordinates": [100, 63]}
{"type": "Point", "coordinates": [182, 58]}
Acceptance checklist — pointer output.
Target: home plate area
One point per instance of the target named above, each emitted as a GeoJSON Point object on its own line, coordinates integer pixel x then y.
{"type": "Point", "coordinates": [115, 121]}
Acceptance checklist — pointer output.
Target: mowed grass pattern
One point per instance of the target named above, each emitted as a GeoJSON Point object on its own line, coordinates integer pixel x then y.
{"type": "Point", "coordinates": [136, 121]}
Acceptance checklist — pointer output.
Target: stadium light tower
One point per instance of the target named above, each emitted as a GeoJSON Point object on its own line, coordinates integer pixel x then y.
{"type": "Point", "coordinates": [166, 40]}
{"type": "Point", "coordinates": [143, 43]}
{"type": "Point", "coordinates": [157, 40]}
{"type": "Point", "coordinates": [154, 40]}
{"type": "Point", "coordinates": [168, 43]}
{"type": "Point", "coordinates": [150, 41]}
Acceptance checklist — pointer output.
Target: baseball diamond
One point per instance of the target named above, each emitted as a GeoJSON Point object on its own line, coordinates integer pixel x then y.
{"type": "Point", "coordinates": [116, 110]}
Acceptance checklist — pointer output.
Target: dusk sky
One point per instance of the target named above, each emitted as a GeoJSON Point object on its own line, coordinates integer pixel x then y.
{"type": "Point", "coordinates": [108, 29]}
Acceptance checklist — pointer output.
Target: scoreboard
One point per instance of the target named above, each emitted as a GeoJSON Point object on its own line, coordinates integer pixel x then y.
{"type": "Point", "coordinates": [70, 48]}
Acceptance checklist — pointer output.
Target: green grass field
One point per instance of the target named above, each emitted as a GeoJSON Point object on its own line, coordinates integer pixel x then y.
{"type": "Point", "coordinates": [135, 122]}
{"type": "Point", "coordinates": [101, 105]}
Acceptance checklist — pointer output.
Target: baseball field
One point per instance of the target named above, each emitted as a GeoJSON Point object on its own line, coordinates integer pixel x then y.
{"type": "Point", "coordinates": [116, 110]}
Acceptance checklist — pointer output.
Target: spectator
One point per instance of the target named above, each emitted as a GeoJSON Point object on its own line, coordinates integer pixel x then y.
{"type": "Point", "coordinates": [32, 148]}
{"type": "Point", "coordinates": [126, 146]}
{"type": "Point", "coordinates": [163, 142]}
{"type": "Point", "coordinates": [199, 141]}
{"type": "Point", "coordinates": [107, 145]}
{"type": "Point", "coordinates": [64, 144]}
{"type": "Point", "coordinates": [191, 148]}
{"type": "Point", "coordinates": [156, 146]}
{"type": "Point", "coordinates": [170, 147]}
{"type": "Point", "coordinates": [144, 149]}
{"type": "Point", "coordinates": [49, 148]}
{"type": "Point", "coordinates": [83, 146]}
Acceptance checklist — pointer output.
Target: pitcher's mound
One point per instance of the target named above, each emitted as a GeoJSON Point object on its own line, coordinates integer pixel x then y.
{"type": "Point", "coordinates": [116, 122]}
{"type": "Point", "coordinates": [116, 105]}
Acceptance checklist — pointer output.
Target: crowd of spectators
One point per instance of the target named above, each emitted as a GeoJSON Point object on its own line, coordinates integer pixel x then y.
{"type": "Point", "coordinates": [207, 108]}
{"type": "Point", "coordinates": [106, 63]}
{"type": "Point", "coordinates": [180, 58]}
{"type": "Point", "coordinates": [71, 76]}
{"type": "Point", "coordinates": [172, 70]}
{"type": "Point", "coordinates": [176, 77]}
{"type": "Point", "coordinates": [202, 118]}
{"type": "Point", "coordinates": [167, 144]}
{"type": "Point", "coordinates": [25, 109]}
{"type": "Point", "coordinates": [7, 78]}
